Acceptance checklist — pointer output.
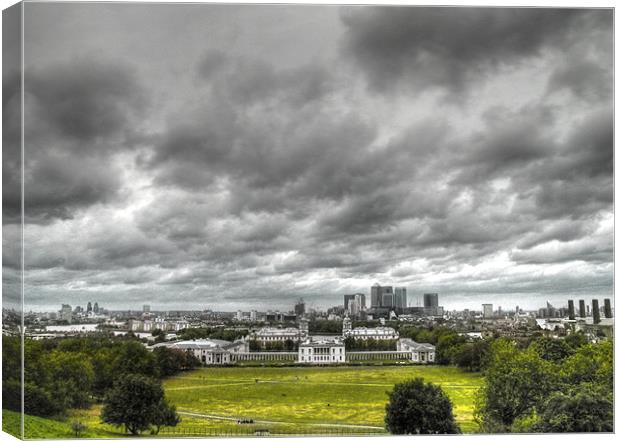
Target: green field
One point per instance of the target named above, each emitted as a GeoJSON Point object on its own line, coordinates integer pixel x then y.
{"type": "Point", "coordinates": [283, 400]}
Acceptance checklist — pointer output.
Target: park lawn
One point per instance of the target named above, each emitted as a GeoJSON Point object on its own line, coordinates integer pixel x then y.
{"type": "Point", "coordinates": [38, 427]}
{"type": "Point", "coordinates": [283, 400]}
{"type": "Point", "coordinates": [304, 397]}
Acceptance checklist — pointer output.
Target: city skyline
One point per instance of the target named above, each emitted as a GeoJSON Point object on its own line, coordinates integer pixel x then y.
{"type": "Point", "coordinates": [192, 156]}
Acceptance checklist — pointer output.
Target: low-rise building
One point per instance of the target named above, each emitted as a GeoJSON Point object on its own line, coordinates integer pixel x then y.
{"type": "Point", "coordinates": [270, 335]}
{"type": "Point", "coordinates": [379, 333]}
{"type": "Point", "coordinates": [420, 352]}
{"type": "Point", "coordinates": [322, 351]}
{"type": "Point", "coordinates": [209, 351]}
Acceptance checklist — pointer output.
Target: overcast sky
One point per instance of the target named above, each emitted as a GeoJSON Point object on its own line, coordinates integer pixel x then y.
{"type": "Point", "coordinates": [240, 157]}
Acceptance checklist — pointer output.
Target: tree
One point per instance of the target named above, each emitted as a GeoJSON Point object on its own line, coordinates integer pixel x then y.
{"type": "Point", "coordinates": [416, 407]}
{"type": "Point", "coordinates": [580, 411]}
{"type": "Point", "coordinates": [516, 382]}
{"type": "Point", "coordinates": [165, 415]}
{"type": "Point", "coordinates": [472, 356]}
{"type": "Point", "coordinates": [137, 403]}
{"type": "Point", "coordinates": [552, 349]}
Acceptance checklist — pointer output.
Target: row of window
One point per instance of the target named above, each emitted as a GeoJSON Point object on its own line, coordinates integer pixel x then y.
{"type": "Point", "coordinates": [319, 358]}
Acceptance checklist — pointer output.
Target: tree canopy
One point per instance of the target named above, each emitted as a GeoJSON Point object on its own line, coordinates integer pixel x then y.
{"type": "Point", "coordinates": [137, 403]}
{"type": "Point", "coordinates": [416, 407]}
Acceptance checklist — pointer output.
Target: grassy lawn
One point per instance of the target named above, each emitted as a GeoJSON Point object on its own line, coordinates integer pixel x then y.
{"type": "Point", "coordinates": [283, 400]}
{"type": "Point", "coordinates": [37, 427]}
{"type": "Point", "coordinates": [301, 398]}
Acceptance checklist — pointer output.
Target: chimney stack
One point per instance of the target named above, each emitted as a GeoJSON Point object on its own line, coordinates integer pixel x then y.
{"type": "Point", "coordinates": [596, 313]}
{"type": "Point", "coordinates": [607, 308]}
{"type": "Point", "coordinates": [571, 310]}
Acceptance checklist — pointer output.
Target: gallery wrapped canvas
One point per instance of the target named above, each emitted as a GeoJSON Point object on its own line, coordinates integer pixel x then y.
{"type": "Point", "coordinates": [250, 220]}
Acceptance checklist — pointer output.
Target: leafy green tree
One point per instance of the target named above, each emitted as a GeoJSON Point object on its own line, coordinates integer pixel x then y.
{"type": "Point", "coordinates": [165, 415]}
{"type": "Point", "coordinates": [416, 407]}
{"type": "Point", "coordinates": [576, 340]}
{"type": "Point", "coordinates": [472, 356]}
{"type": "Point", "coordinates": [135, 402]}
{"type": "Point", "coordinates": [580, 411]}
{"type": "Point", "coordinates": [133, 358]}
{"type": "Point", "coordinates": [516, 382]}
{"type": "Point", "coordinates": [591, 363]}
{"type": "Point", "coordinates": [70, 378]}
{"type": "Point", "coordinates": [38, 401]}
{"type": "Point", "coordinates": [448, 345]}
{"type": "Point", "coordinates": [552, 349]}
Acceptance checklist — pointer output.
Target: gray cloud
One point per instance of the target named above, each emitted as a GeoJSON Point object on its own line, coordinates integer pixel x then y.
{"type": "Point", "coordinates": [78, 114]}
{"type": "Point", "coordinates": [451, 47]}
{"type": "Point", "coordinates": [235, 169]}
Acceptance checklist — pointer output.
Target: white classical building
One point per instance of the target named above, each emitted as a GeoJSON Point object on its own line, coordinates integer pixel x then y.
{"type": "Point", "coordinates": [420, 352]}
{"type": "Point", "coordinates": [209, 351]}
{"type": "Point", "coordinates": [322, 351]}
{"type": "Point", "coordinates": [269, 335]}
{"type": "Point", "coordinates": [379, 333]}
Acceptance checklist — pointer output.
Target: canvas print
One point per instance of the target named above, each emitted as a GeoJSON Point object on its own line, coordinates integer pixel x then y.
{"type": "Point", "coordinates": [250, 220]}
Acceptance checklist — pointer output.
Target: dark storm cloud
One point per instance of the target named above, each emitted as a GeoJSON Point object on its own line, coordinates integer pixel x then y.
{"type": "Point", "coordinates": [233, 168]}
{"type": "Point", "coordinates": [83, 100]}
{"type": "Point", "coordinates": [78, 113]}
{"type": "Point", "coordinates": [449, 47]}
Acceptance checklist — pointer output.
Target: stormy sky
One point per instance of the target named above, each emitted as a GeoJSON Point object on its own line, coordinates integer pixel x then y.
{"type": "Point", "coordinates": [241, 157]}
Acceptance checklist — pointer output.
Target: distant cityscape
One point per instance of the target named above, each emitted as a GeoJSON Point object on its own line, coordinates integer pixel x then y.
{"type": "Point", "coordinates": [387, 303]}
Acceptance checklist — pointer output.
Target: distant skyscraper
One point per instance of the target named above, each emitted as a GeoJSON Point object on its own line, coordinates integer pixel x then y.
{"type": "Point", "coordinates": [431, 303]}
{"type": "Point", "coordinates": [487, 310]}
{"type": "Point", "coordinates": [300, 308]}
{"type": "Point", "coordinates": [375, 295]}
{"type": "Point", "coordinates": [571, 310]}
{"type": "Point", "coordinates": [146, 308]}
{"type": "Point", "coordinates": [582, 308]}
{"type": "Point", "coordinates": [607, 308]}
{"type": "Point", "coordinates": [65, 313]}
{"type": "Point", "coordinates": [347, 299]}
{"type": "Point", "coordinates": [596, 312]}
{"type": "Point", "coordinates": [96, 308]}
{"type": "Point", "coordinates": [400, 297]}
{"type": "Point", "coordinates": [431, 300]}
{"type": "Point", "coordinates": [89, 307]}
{"type": "Point", "coordinates": [381, 296]}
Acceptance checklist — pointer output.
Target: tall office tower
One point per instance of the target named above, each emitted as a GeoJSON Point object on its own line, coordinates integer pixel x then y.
{"type": "Point", "coordinates": [65, 313]}
{"type": "Point", "coordinates": [400, 297]}
{"type": "Point", "coordinates": [300, 307]}
{"type": "Point", "coordinates": [89, 307]}
{"type": "Point", "coordinates": [431, 303]}
{"type": "Point", "coordinates": [146, 308]}
{"type": "Point", "coordinates": [582, 308]}
{"type": "Point", "coordinates": [380, 294]}
{"type": "Point", "coordinates": [253, 314]}
{"type": "Point", "coordinates": [96, 308]}
{"type": "Point", "coordinates": [431, 300]}
{"type": "Point", "coordinates": [375, 295]}
{"type": "Point", "coordinates": [487, 310]}
{"type": "Point", "coordinates": [571, 310]}
{"type": "Point", "coordinates": [607, 308]}
{"type": "Point", "coordinates": [596, 313]}
{"type": "Point", "coordinates": [361, 298]}
{"type": "Point", "coordinates": [347, 299]}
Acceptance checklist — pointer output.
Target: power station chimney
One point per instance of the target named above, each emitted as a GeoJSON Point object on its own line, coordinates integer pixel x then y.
{"type": "Point", "coordinates": [596, 313]}
{"type": "Point", "coordinates": [571, 310]}
{"type": "Point", "coordinates": [582, 308]}
{"type": "Point", "coordinates": [607, 308]}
